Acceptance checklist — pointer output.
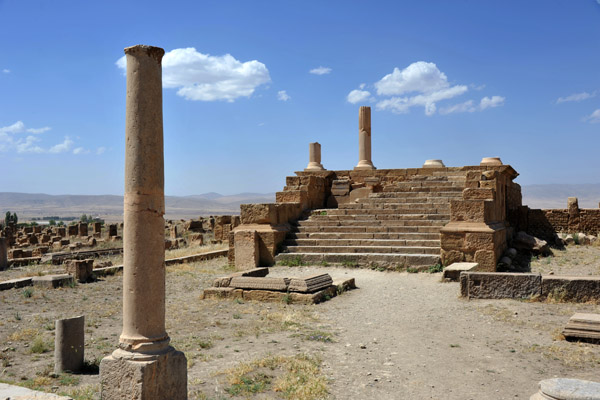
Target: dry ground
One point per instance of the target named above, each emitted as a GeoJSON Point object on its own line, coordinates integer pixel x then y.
{"type": "Point", "coordinates": [399, 335]}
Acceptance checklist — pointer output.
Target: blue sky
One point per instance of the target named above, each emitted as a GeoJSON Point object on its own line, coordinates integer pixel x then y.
{"type": "Point", "coordinates": [248, 85]}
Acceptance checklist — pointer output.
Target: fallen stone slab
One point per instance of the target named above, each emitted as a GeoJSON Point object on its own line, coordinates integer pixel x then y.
{"type": "Point", "coordinates": [254, 272]}
{"type": "Point", "coordinates": [13, 392]}
{"type": "Point", "coordinates": [579, 289]}
{"type": "Point", "coordinates": [310, 284]}
{"type": "Point", "coordinates": [15, 283]}
{"type": "Point", "coordinates": [344, 284]}
{"type": "Point", "coordinates": [249, 282]}
{"type": "Point", "coordinates": [52, 281]}
{"type": "Point", "coordinates": [500, 285]}
{"type": "Point", "coordinates": [452, 271]}
{"type": "Point", "coordinates": [567, 389]}
{"type": "Point", "coordinates": [583, 327]}
{"type": "Point", "coordinates": [111, 270]}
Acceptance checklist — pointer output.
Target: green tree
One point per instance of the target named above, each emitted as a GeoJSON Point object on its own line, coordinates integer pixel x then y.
{"type": "Point", "coordinates": [52, 222]}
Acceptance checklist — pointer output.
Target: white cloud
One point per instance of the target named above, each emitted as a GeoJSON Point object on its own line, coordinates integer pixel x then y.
{"type": "Point", "coordinates": [401, 105]}
{"type": "Point", "coordinates": [491, 102]}
{"type": "Point", "coordinates": [17, 127]}
{"type": "Point", "coordinates": [6, 71]}
{"type": "Point", "coordinates": [576, 97]}
{"type": "Point", "coordinates": [100, 150]}
{"type": "Point", "coordinates": [28, 146]}
{"type": "Point", "coordinates": [417, 77]}
{"type": "Point", "coordinates": [469, 106]}
{"type": "Point", "coordinates": [283, 96]}
{"type": "Point", "coordinates": [80, 150]}
{"type": "Point", "coordinates": [37, 131]}
{"type": "Point", "coordinates": [62, 147]}
{"type": "Point", "coordinates": [594, 117]}
{"type": "Point", "coordinates": [320, 71]}
{"type": "Point", "coordinates": [357, 96]}
{"type": "Point", "coordinates": [204, 77]}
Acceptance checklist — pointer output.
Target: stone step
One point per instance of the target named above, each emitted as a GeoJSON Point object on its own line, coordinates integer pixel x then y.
{"type": "Point", "coordinates": [407, 194]}
{"type": "Point", "coordinates": [364, 249]}
{"type": "Point", "coordinates": [431, 183]}
{"type": "Point", "coordinates": [383, 211]}
{"type": "Point", "coordinates": [439, 177]}
{"type": "Point", "coordinates": [389, 205]}
{"type": "Point", "coordinates": [368, 229]}
{"type": "Point", "coordinates": [397, 261]}
{"type": "Point", "coordinates": [362, 242]}
{"type": "Point", "coordinates": [422, 189]}
{"type": "Point", "coordinates": [376, 221]}
{"type": "Point", "coordinates": [364, 235]}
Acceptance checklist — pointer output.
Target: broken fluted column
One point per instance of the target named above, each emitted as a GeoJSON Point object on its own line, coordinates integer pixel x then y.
{"type": "Point", "coordinates": [314, 157]}
{"type": "Point", "coordinates": [144, 366]}
{"type": "Point", "coordinates": [364, 139]}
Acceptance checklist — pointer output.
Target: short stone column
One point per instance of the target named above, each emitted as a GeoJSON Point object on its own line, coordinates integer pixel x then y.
{"type": "Point", "coordinates": [144, 366]}
{"type": "Point", "coordinates": [364, 139]}
{"type": "Point", "coordinates": [3, 254]}
{"type": "Point", "coordinates": [314, 157]}
{"type": "Point", "coordinates": [69, 344]}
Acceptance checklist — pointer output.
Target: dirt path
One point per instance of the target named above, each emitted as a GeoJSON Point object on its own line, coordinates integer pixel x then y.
{"type": "Point", "coordinates": [422, 342]}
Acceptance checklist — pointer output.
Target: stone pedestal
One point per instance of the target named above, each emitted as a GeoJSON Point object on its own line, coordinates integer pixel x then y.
{"type": "Point", "coordinates": [364, 139]}
{"type": "Point", "coordinates": [434, 164]}
{"type": "Point", "coordinates": [125, 376]}
{"type": "Point", "coordinates": [69, 344]}
{"type": "Point", "coordinates": [490, 161]}
{"type": "Point", "coordinates": [567, 389]}
{"type": "Point", "coordinates": [144, 366]}
{"type": "Point", "coordinates": [314, 157]}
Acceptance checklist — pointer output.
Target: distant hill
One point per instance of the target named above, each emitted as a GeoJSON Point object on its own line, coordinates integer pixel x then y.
{"type": "Point", "coordinates": [555, 195]}
{"type": "Point", "coordinates": [110, 207]}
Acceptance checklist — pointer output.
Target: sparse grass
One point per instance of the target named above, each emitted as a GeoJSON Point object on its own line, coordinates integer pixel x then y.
{"type": "Point", "coordinates": [295, 378]}
{"type": "Point", "coordinates": [412, 270]}
{"type": "Point", "coordinates": [39, 346]}
{"type": "Point", "coordinates": [435, 268]}
{"type": "Point", "coordinates": [575, 355]}
{"type": "Point", "coordinates": [319, 336]}
{"type": "Point", "coordinates": [349, 264]}
{"type": "Point", "coordinates": [292, 262]}
{"type": "Point", "coordinates": [27, 292]}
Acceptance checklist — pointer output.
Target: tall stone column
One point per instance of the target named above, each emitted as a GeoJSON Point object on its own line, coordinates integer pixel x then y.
{"type": "Point", "coordinates": [144, 366]}
{"type": "Point", "coordinates": [314, 157]}
{"type": "Point", "coordinates": [364, 139]}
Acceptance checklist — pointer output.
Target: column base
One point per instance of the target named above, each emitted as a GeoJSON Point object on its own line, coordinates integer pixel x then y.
{"type": "Point", "coordinates": [364, 165]}
{"type": "Point", "coordinates": [314, 166]}
{"type": "Point", "coordinates": [124, 376]}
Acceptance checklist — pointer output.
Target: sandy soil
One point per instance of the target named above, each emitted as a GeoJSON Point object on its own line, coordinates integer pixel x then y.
{"type": "Point", "coordinates": [399, 335]}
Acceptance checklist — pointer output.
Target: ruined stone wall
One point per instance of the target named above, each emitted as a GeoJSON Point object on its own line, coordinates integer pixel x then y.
{"type": "Point", "coordinates": [546, 223]}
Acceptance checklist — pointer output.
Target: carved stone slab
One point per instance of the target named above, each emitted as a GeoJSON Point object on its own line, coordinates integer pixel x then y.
{"type": "Point", "coordinates": [310, 284]}
{"type": "Point", "coordinates": [248, 282]}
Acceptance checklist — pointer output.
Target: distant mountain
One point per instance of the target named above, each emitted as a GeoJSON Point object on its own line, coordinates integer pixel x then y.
{"type": "Point", "coordinates": [110, 207]}
{"type": "Point", "coordinates": [555, 195]}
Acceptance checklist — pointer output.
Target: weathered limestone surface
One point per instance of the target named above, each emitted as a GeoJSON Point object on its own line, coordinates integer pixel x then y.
{"type": "Point", "coordinates": [52, 281]}
{"type": "Point", "coordinates": [497, 285]}
{"type": "Point", "coordinates": [583, 326]}
{"type": "Point", "coordinates": [247, 249]}
{"type": "Point", "coordinates": [249, 282]}
{"type": "Point", "coordinates": [145, 366]}
{"type": "Point", "coordinates": [69, 344]}
{"type": "Point", "coordinates": [452, 272]}
{"type": "Point", "coordinates": [578, 289]}
{"type": "Point", "coordinates": [364, 139]}
{"type": "Point", "coordinates": [310, 284]}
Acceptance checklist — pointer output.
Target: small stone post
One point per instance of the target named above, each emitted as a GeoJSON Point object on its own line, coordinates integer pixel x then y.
{"type": "Point", "coordinates": [364, 139]}
{"type": "Point", "coordinates": [314, 157]}
{"type": "Point", "coordinates": [3, 254]}
{"type": "Point", "coordinates": [144, 366]}
{"type": "Point", "coordinates": [69, 344]}
{"type": "Point", "coordinates": [573, 210]}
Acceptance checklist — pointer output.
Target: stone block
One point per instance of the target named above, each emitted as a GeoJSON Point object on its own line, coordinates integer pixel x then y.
{"type": "Point", "coordinates": [452, 272]}
{"type": "Point", "coordinates": [52, 281]}
{"type": "Point", "coordinates": [69, 344]}
{"type": "Point", "coordinates": [255, 272]}
{"type": "Point", "coordinates": [81, 270]}
{"type": "Point", "coordinates": [452, 256]}
{"type": "Point", "coordinates": [247, 249]}
{"type": "Point", "coordinates": [479, 241]}
{"type": "Point", "coordinates": [497, 285]}
{"type": "Point", "coordinates": [3, 254]}
{"type": "Point", "coordinates": [471, 210]}
{"type": "Point", "coordinates": [578, 289]}
{"type": "Point", "coordinates": [478, 194]}
{"type": "Point", "coordinates": [247, 282]}
{"type": "Point", "coordinates": [486, 260]}
{"type": "Point", "coordinates": [82, 229]}
{"type": "Point", "coordinates": [264, 295]}
{"type": "Point", "coordinates": [452, 241]}
{"type": "Point", "coordinates": [310, 284]}
{"type": "Point", "coordinates": [159, 377]}
{"type": "Point", "coordinates": [15, 283]}
{"type": "Point", "coordinates": [265, 213]}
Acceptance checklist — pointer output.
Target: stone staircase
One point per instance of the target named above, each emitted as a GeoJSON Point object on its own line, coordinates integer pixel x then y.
{"type": "Point", "coordinates": [397, 228]}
